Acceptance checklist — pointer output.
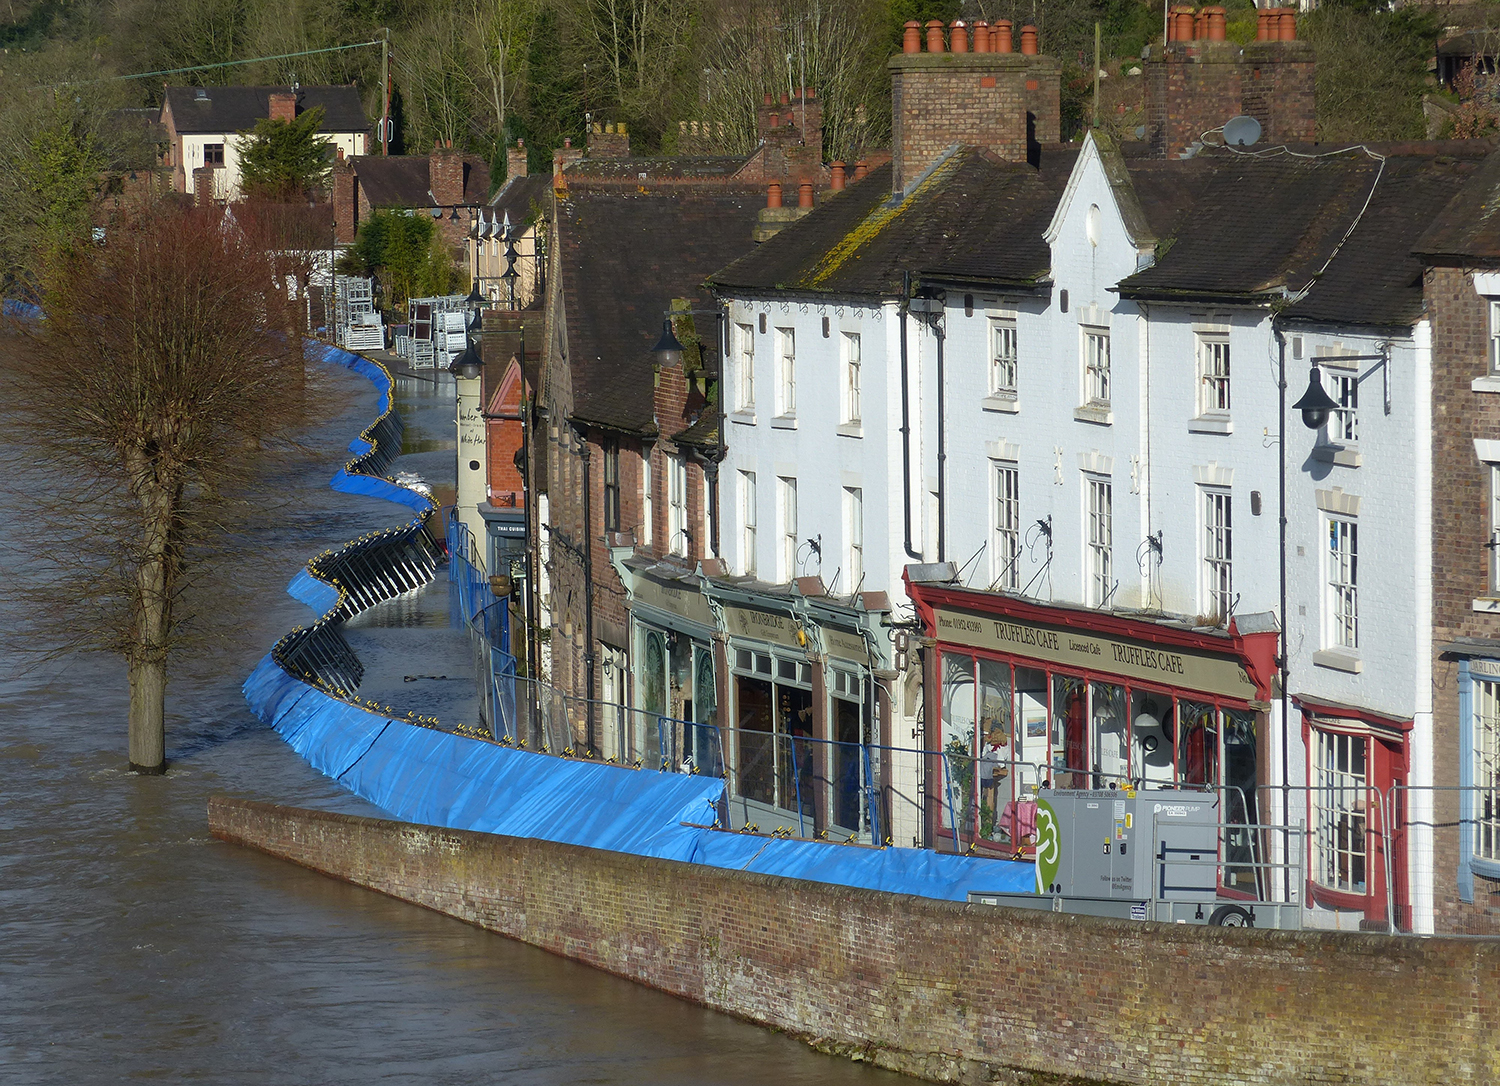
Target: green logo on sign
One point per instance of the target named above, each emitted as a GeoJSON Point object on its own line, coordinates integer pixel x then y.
{"type": "Point", "coordinates": [1048, 847]}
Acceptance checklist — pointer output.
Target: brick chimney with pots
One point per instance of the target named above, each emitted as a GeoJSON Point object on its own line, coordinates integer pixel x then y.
{"type": "Point", "coordinates": [515, 160]}
{"type": "Point", "coordinates": [345, 216]}
{"type": "Point", "coordinates": [284, 106]}
{"type": "Point", "coordinates": [989, 96]}
{"type": "Point", "coordinates": [608, 141]}
{"type": "Point", "coordinates": [562, 158]}
{"type": "Point", "coordinates": [445, 174]}
{"type": "Point", "coordinates": [1198, 81]}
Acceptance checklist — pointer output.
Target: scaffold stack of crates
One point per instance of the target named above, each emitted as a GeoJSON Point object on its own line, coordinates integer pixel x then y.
{"type": "Point", "coordinates": [434, 333]}
{"type": "Point", "coordinates": [358, 323]}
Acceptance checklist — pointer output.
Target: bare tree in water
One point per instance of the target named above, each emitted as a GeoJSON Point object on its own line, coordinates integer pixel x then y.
{"type": "Point", "coordinates": [168, 363]}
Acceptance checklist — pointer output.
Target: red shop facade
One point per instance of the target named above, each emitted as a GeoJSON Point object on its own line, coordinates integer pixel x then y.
{"type": "Point", "coordinates": [1020, 694]}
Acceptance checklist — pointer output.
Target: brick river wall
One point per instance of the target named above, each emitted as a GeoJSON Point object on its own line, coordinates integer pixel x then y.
{"type": "Point", "coordinates": [942, 990]}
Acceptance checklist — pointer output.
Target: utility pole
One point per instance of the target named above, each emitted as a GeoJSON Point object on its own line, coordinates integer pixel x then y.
{"type": "Point", "coordinates": [385, 91]}
{"type": "Point", "coordinates": [1096, 74]}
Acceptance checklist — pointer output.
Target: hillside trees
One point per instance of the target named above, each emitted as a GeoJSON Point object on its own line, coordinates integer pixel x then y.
{"type": "Point", "coordinates": [285, 160]}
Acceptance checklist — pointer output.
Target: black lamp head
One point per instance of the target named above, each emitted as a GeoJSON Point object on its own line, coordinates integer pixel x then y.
{"type": "Point", "coordinates": [1316, 404]}
{"type": "Point", "coordinates": [475, 298]}
{"type": "Point", "coordinates": [668, 350]}
{"type": "Point", "coordinates": [467, 365]}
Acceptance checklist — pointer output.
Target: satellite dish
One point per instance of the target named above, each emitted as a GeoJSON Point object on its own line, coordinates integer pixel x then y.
{"type": "Point", "coordinates": [1241, 131]}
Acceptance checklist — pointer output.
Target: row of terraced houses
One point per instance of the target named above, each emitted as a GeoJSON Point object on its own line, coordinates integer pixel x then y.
{"type": "Point", "coordinates": [894, 489]}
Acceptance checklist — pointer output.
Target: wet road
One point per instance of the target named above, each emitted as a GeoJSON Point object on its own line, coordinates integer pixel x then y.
{"type": "Point", "coordinates": [134, 947]}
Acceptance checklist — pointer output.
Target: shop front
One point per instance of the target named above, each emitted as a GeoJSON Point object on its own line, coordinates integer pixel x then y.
{"type": "Point", "coordinates": [674, 716]}
{"type": "Point", "coordinates": [1022, 695]}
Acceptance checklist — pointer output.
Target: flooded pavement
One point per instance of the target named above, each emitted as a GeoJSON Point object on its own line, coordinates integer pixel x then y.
{"type": "Point", "coordinates": [134, 947]}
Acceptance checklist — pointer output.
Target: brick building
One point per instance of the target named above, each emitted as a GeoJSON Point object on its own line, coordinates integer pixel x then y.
{"type": "Point", "coordinates": [446, 183]}
{"type": "Point", "coordinates": [1461, 286]}
{"type": "Point", "coordinates": [615, 473]}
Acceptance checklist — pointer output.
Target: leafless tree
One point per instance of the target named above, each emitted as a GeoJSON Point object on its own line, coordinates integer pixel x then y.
{"type": "Point", "coordinates": [162, 369]}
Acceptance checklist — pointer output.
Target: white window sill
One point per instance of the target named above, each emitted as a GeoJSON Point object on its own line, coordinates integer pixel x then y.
{"type": "Point", "coordinates": [851, 429]}
{"type": "Point", "coordinates": [1339, 660]}
{"type": "Point", "coordinates": [1097, 413]}
{"type": "Point", "coordinates": [784, 422]}
{"type": "Point", "coordinates": [744, 418]}
{"type": "Point", "coordinates": [1211, 424]}
{"type": "Point", "coordinates": [1001, 401]}
{"type": "Point", "coordinates": [1344, 456]}
{"type": "Point", "coordinates": [1487, 605]}
{"type": "Point", "coordinates": [1488, 383]}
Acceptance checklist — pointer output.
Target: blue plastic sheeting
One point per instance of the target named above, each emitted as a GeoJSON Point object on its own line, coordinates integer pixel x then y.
{"type": "Point", "coordinates": [369, 485]}
{"type": "Point", "coordinates": [440, 779]}
{"type": "Point", "coordinates": [22, 310]}
{"type": "Point", "coordinates": [305, 588]}
{"type": "Point", "coordinates": [437, 778]}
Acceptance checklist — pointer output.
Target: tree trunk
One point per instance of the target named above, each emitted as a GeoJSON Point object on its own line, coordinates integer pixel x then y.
{"type": "Point", "coordinates": [148, 729]}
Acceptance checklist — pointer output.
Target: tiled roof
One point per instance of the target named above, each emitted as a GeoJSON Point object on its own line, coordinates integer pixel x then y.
{"type": "Point", "coordinates": [623, 256]}
{"type": "Point", "coordinates": [236, 109]}
{"type": "Point", "coordinates": [1469, 226]}
{"type": "Point", "coordinates": [974, 217]}
{"type": "Point", "coordinates": [629, 170]}
{"type": "Point", "coordinates": [521, 198]}
{"type": "Point", "coordinates": [405, 180]}
{"type": "Point", "coordinates": [1271, 226]}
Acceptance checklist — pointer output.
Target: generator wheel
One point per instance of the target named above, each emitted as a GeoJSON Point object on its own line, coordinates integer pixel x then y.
{"type": "Point", "coordinates": [1231, 916]}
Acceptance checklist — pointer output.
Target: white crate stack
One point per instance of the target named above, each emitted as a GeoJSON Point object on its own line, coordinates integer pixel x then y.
{"type": "Point", "coordinates": [434, 334]}
{"type": "Point", "coordinates": [358, 326]}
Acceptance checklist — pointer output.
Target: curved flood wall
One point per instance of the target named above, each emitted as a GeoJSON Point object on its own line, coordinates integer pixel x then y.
{"type": "Point", "coordinates": [304, 689]}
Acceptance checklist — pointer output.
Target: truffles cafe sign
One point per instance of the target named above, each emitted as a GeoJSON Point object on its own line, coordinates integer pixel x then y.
{"type": "Point", "coordinates": [1189, 668]}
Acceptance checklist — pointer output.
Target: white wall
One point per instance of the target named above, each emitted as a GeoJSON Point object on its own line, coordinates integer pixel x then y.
{"type": "Point", "coordinates": [351, 143]}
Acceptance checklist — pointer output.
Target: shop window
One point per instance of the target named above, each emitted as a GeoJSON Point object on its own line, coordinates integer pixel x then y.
{"type": "Point", "coordinates": [1197, 743]}
{"type": "Point", "coordinates": [1242, 842]}
{"type": "Point", "coordinates": [1340, 798]}
{"type": "Point", "coordinates": [653, 692]}
{"type": "Point", "coordinates": [1153, 720]}
{"type": "Point", "coordinates": [774, 756]}
{"type": "Point", "coordinates": [1109, 750]}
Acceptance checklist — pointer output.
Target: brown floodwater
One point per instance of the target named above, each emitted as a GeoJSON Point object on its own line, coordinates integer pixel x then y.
{"type": "Point", "coordinates": [135, 947]}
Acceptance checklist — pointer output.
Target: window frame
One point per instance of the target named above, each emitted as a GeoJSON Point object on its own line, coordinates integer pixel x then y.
{"type": "Point", "coordinates": [853, 360]}
{"type": "Point", "coordinates": [648, 503]}
{"type": "Point", "coordinates": [1096, 374]}
{"type": "Point", "coordinates": [786, 373]}
{"type": "Point", "coordinates": [1215, 388]}
{"type": "Point", "coordinates": [1342, 427]}
{"type": "Point", "coordinates": [1098, 539]}
{"type": "Point", "coordinates": [1005, 365]}
{"type": "Point", "coordinates": [610, 449]}
{"type": "Point", "coordinates": [786, 516]}
{"type": "Point", "coordinates": [677, 506]}
{"type": "Point", "coordinates": [1494, 337]}
{"type": "Point", "coordinates": [217, 159]}
{"type": "Point", "coordinates": [748, 522]}
{"type": "Point", "coordinates": [1005, 524]}
{"type": "Point", "coordinates": [744, 392]}
{"type": "Point", "coordinates": [854, 535]}
{"type": "Point", "coordinates": [1341, 584]}
{"type": "Point", "coordinates": [1216, 545]}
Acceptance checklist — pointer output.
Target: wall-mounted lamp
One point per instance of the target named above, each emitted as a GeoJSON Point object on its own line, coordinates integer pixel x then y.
{"type": "Point", "coordinates": [1315, 404]}
{"type": "Point", "coordinates": [668, 350]}
{"type": "Point", "coordinates": [467, 365]}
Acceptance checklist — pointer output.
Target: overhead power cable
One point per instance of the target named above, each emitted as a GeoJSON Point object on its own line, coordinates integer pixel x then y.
{"type": "Point", "coordinates": [223, 64]}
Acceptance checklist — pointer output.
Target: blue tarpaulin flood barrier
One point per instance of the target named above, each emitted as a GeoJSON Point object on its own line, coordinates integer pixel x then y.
{"type": "Point", "coordinates": [434, 777]}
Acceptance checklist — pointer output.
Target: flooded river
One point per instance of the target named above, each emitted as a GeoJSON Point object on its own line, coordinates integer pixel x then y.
{"type": "Point", "coordinates": [134, 947]}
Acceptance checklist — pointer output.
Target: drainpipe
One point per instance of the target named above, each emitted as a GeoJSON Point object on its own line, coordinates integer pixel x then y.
{"type": "Point", "coordinates": [942, 452]}
{"type": "Point", "coordinates": [713, 468]}
{"type": "Point", "coordinates": [906, 422]}
{"type": "Point", "coordinates": [1286, 820]}
{"type": "Point", "coordinates": [588, 589]}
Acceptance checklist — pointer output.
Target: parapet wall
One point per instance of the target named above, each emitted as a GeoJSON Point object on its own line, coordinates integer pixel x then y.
{"type": "Point", "coordinates": [946, 991]}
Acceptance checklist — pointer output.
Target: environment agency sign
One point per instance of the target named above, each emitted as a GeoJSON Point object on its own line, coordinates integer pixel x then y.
{"type": "Point", "coordinates": [1193, 669]}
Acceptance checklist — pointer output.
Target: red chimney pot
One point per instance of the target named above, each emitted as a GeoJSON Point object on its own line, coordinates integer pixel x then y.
{"type": "Point", "coordinates": [935, 35]}
{"type": "Point", "coordinates": [960, 37]}
{"type": "Point", "coordinates": [836, 171]}
{"type": "Point", "coordinates": [773, 194]}
{"type": "Point", "coordinates": [911, 37]}
{"type": "Point", "coordinates": [1004, 41]}
{"type": "Point", "coordinates": [805, 194]}
{"type": "Point", "coordinates": [981, 37]}
{"type": "Point", "coordinates": [860, 170]}
{"type": "Point", "coordinates": [1028, 41]}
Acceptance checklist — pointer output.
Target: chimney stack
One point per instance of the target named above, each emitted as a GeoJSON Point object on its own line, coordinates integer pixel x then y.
{"type": "Point", "coordinates": [987, 96]}
{"type": "Point", "coordinates": [1199, 80]}
{"type": "Point", "coordinates": [515, 160]}
{"type": "Point", "coordinates": [608, 141]}
{"type": "Point", "coordinates": [284, 106]}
